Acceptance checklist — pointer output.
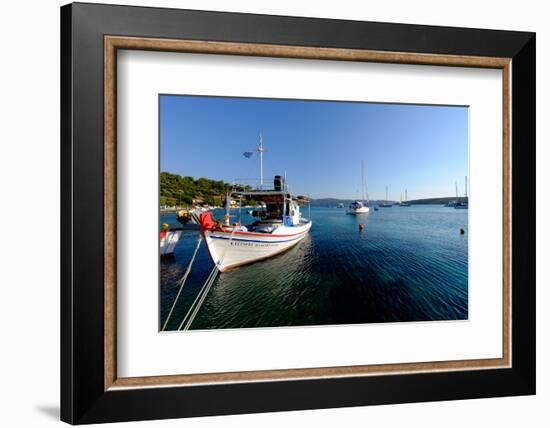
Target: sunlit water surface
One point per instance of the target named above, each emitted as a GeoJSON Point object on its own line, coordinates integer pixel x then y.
{"type": "Point", "coordinates": [408, 264]}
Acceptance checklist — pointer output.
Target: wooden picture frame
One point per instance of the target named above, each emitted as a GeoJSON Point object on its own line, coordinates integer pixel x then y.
{"type": "Point", "coordinates": [91, 390]}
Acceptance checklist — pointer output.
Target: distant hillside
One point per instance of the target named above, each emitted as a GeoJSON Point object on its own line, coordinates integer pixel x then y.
{"type": "Point", "coordinates": [331, 202]}
{"type": "Point", "coordinates": [176, 190]}
{"type": "Point", "coordinates": [438, 201]}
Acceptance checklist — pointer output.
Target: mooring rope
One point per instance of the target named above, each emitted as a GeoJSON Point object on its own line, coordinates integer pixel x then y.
{"type": "Point", "coordinates": [181, 282]}
{"type": "Point", "coordinates": [212, 273]}
{"type": "Point", "coordinates": [194, 310]}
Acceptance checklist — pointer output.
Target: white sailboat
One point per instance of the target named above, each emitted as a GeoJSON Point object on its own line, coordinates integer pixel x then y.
{"type": "Point", "coordinates": [463, 205]}
{"type": "Point", "coordinates": [360, 207]}
{"type": "Point", "coordinates": [451, 204]}
{"type": "Point", "coordinates": [405, 203]}
{"type": "Point", "coordinates": [279, 227]}
{"type": "Point", "coordinates": [386, 204]}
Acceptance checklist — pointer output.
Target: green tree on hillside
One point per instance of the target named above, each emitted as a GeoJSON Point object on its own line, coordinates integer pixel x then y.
{"type": "Point", "coordinates": [178, 190]}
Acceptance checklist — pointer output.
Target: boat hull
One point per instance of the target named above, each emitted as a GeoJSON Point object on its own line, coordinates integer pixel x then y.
{"type": "Point", "coordinates": [232, 249]}
{"type": "Point", "coordinates": [168, 241]}
{"type": "Point", "coordinates": [362, 210]}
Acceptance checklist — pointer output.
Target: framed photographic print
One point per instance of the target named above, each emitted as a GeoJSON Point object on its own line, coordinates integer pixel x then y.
{"type": "Point", "coordinates": [265, 213]}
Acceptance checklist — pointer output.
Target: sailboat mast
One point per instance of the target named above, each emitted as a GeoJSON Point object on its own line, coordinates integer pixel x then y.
{"type": "Point", "coordinates": [261, 152]}
{"type": "Point", "coordinates": [386, 193]}
{"type": "Point", "coordinates": [405, 195]}
{"type": "Point", "coordinates": [456, 189]}
{"type": "Point", "coordinates": [466, 186]}
{"type": "Point", "coordinates": [363, 180]}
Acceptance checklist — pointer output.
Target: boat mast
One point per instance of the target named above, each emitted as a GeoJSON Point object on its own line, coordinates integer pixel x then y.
{"type": "Point", "coordinates": [363, 180]}
{"type": "Point", "coordinates": [284, 199]}
{"type": "Point", "coordinates": [261, 151]}
{"type": "Point", "coordinates": [227, 208]}
{"type": "Point", "coordinates": [386, 194]}
{"type": "Point", "coordinates": [456, 189]}
{"type": "Point", "coordinates": [466, 186]}
{"type": "Point", "coordinates": [405, 195]}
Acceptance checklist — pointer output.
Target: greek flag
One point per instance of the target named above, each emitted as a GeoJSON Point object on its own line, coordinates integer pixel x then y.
{"type": "Point", "coordinates": [248, 154]}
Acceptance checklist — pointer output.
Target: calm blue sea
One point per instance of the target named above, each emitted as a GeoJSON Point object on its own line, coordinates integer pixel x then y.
{"type": "Point", "coordinates": [408, 264]}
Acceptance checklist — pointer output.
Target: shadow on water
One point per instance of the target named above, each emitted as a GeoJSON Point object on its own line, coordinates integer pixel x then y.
{"type": "Point", "coordinates": [405, 265]}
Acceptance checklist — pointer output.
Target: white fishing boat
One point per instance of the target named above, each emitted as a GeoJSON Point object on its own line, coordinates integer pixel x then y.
{"type": "Point", "coordinates": [279, 226]}
{"type": "Point", "coordinates": [359, 207]}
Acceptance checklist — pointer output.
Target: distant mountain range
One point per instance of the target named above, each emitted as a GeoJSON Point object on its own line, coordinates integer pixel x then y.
{"type": "Point", "coordinates": [329, 202]}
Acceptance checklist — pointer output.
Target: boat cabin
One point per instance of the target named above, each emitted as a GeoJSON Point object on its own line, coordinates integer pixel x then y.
{"type": "Point", "coordinates": [277, 205]}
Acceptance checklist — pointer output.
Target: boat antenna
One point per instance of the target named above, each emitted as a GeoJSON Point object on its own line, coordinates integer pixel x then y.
{"type": "Point", "coordinates": [261, 152]}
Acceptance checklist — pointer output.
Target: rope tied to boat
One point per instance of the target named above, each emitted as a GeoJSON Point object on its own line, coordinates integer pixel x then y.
{"type": "Point", "coordinates": [194, 308]}
{"type": "Point", "coordinates": [181, 282]}
{"type": "Point", "coordinates": [199, 300]}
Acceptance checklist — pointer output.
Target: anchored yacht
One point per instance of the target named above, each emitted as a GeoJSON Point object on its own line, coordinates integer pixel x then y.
{"type": "Point", "coordinates": [360, 207]}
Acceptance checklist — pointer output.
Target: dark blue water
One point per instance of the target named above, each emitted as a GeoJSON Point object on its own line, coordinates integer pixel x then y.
{"type": "Point", "coordinates": [408, 264]}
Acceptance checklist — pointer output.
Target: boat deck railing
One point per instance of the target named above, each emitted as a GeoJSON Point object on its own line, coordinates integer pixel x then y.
{"type": "Point", "coordinates": [254, 187]}
{"type": "Point", "coordinates": [258, 186]}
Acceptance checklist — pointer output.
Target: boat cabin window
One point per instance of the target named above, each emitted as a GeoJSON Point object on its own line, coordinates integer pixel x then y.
{"type": "Point", "coordinates": [273, 211]}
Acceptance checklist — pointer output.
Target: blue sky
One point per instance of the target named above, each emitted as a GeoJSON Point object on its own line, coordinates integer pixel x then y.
{"type": "Point", "coordinates": [320, 144]}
